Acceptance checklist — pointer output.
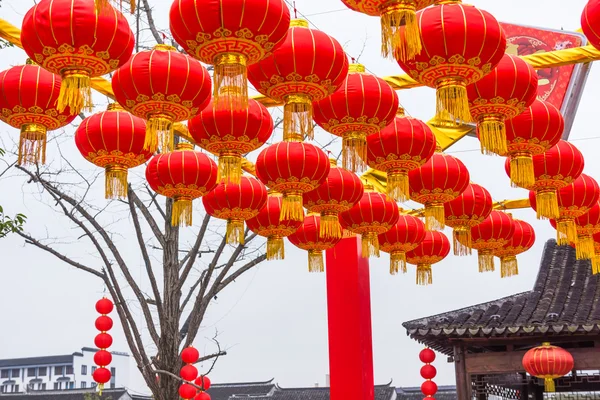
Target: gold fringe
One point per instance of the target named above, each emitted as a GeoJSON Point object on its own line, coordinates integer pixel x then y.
{"type": "Point", "coordinates": [585, 248]}
{"type": "Point", "coordinates": [354, 151]}
{"type": "Point", "coordinates": [230, 168]}
{"type": "Point", "coordinates": [102, 5]}
{"type": "Point", "coordinates": [315, 261]}
{"type": "Point", "coordinates": [298, 118]}
{"type": "Point", "coordinates": [159, 130]}
{"type": "Point", "coordinates": [424, 275]}
{"type": "Point", "coordinates": [230, 82]}
{"type": "Point", "coordinates": [509, 266]}
{"type": "Point", "coordinates": [547, 204]}
{"type": "Point", "coordinates": [370, 245]}
{"type": "Point", "coordinates": [461, 236]}
{"type": "Point", "coordinates": [75, 92]}
{"type": "Point", "coordinates": [435, 219]}
{"type": "Point", "coordinates": [330, 227]}
{"type": "Point", "coordinates": [275, 248]}
{"type": "Point", "coordinates": [291, 208]}
{"type": "Point", "coordinates": [398, 262]}
{"type": "Point", "coordinates": [115, 182]}
{"type": "Point", "coordinates": [100, 388]}
{"type": "Point", "coordinates": [521, 170]}
{"type": "Point", "coordinates": [549, 385]}
{"type": "Point", "coordinates": [182, 212]}
{"type": "Point", "coordinates": [235, 232]}
{"type": "Point", "coordinates": [451, 98]}
{"type": "Point", "coordinates": [32, 145]}
{"type": "Point", "coordinates": [485, 261]}
{"type": "Point", "coordinates": [400, 34]}
{"type": "Point", "coordinates": [132, 5]}
{"type": "Point", "coordinates": [397, 186]}
{"type": "Point", "coordinates": [492, 136]}
{"type": "Point", "coordinates": [566, 232]}
{"type": "Point", "coordinates": [596, 265]}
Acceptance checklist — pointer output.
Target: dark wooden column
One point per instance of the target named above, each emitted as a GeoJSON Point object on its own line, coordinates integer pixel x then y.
{"type": "Point", "coordinates": [463, 383]}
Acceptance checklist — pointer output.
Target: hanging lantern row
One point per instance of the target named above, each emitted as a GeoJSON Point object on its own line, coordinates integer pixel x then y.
{"type": "Point", "coordinates": [189, 373]}
{"type": "Point", "coordinates": [428, 372]}
{"type": "Point", "coordinates": [103, 358]}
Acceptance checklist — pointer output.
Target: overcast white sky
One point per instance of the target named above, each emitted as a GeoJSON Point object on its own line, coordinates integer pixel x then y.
{"type": "Point", "coordinates": [273, 320]}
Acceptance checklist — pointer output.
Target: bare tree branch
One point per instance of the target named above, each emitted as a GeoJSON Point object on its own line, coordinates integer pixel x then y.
{"type": "Point", "coordinates": [191, 255]}
{"type": "Point", "coordinates": [148, 217]}
{"type": "Point", "coordinates": [157, 36]}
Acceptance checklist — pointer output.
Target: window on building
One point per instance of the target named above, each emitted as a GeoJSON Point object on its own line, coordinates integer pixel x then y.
{"type": "Point", "coordinates": [58, 371]}
{"type": "Point", "coordinates": [84, 370]}
{"type": "Point", "coordinates": [113, 372]}
{"type": "Point", "coordinates": [15, 373]}
{"type": "Point", "coordinates": [42, 371]}
{"type": "Point", "coordinates": [56, 385]}
{"type": "Point", "coordinates": [30, 386]}
{"type": "Point", "coordinates": [94, 369]}
{"type": "Point", "coordinates": [30, 371]}
{"type": "Point", "coordinates": [83, 385]}
{"type": "Point", "coordinates": [112, 385]}
{"type": "Point", "coordinates": [70, 370]}
{"type": "Point", "coordinates": [94, 384]}
{"type": "Point", "coordinates": [4, 373]}
{"type": "Point", "coordinates": [3, 389]}
{"type": "Point", "coordinates": [71, 385]}
{"type": "Point", "coordinates": [16, 387]}
{"type": "Point", "coordinates": [42, 386]}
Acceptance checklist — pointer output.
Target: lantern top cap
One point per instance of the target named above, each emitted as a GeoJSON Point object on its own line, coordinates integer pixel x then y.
{"type": "Point", "coordinates": [274, 193]}
{"type": "Point", "coordinates": [333, 162]}
{"type": "Point", "coordinates": [301, 23]}
{"type": "Point", "coordinates": [184, 146]}
{"type": "Point", "coordinates": [29, 61]}
{"type": "Point", "coordinates": [546, 344]}
{"type": "Point", "coordinates": [114, 107]}
{"type": "Point", "coordinates": [368, 187]}
{"type": "Point", "coordinates": [438, 148]}
{"type": "Point", "coordinates": [441, 2]}
{"type": "Point", "coordinates": [357, 68]}
{"type": "Point", "coordinates": [164, 47]}
{"type": "Point", "coordinates": [400, 112]}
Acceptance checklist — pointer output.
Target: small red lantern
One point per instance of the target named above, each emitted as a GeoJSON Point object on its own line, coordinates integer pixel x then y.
{"type": "Point", "coordinates": [429, 388]}
{"type": "Point", "coordinates": [183, 175]}
{"type": "Point", "coordinates": [236, 204]}
{"type": "Point", "coordinates": [292, 168]}
{"type": "Point", "coordinates": [362, 106]}
{"type": "Point", "coordinates": [308, 238]}
{"type": "Point", "coordinates": [469, 209]}
{"type": "Point", "coordinates": [230, 134]}
{"type": "Point", "coordinates": [102, 358]}
{"type": "Point", "coordinates": [442, 179]}
{"type": "Point", "coordinates": [231, 36]}
{"type": "Point", "coordinates": [104, 42]}
{"type": "Point", "coordinates": [403, 237]}
{"type": "Point", "coordinates": [202, 396]}
{"type": "Point", "coordinates": [427, 356]}
{"type": "Point", "coordinates": [548, 362]}
{"type": "Point", "coordinates": [103, 340]}
{"type": "Point", "coordinates": [104, 323]}
{"type": "Point", "coordinates": [204, 382]}
{"type": "Point", "coordinates": [187, 391]}
{"type": "Point", "coordinates": [404, 145]}
{"type": "Point", "coordinates": [492, 101]}
{"type": "Point", "coordinates": [190, 355]}
{"type": "Point", "coordinates": [101, 376]}
{"type": "Point", "coordinates": [491, 235]}
{"type": "Point", "coordinates": [291, 75]}
{"type": "Point", "coordinates": [162, 86]}
{"type": "Point", "coordinates": [113, 140]}
{"type": "Point", "coordinates": [523, 239]}
{"type": "Point", "coordinates": [189, 372]}
{"type": "Point", "coordinates": [433, 249]}
{"type": "Point", "coordinates": [587, 225]}
{"type": "Point", "coordinates": [268, 223]}
{"type": "Point", "coordinates": [104, 306]}
{"type": "Point", "coordinates": [340, 192]}
{"type": "Point", "coordinates": [28, 95]}
{"type": "Point", "coordinates": [590, 22]}
{"type": "Point", "coordinates": [428, 371]}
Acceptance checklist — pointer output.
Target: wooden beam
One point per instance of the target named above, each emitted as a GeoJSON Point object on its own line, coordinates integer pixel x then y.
{"type": "Point", "coordinates": [463, 382]}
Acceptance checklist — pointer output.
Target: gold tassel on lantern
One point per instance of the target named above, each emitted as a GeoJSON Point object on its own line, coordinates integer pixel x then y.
{"type": "Point", "coordinates": [566, 232]}
{"type": "Point", "coordinates": [182, 212]}
{"type": "Point", "coordinates": [424, 275]}
{"type": "Point", "coordinates": [235, 232]}
{"type": "Point", "coordinates": [585, 248]}
{"type": "Point", "coordinates": [451, 98]}
{"type": "Point", "coordinates": [370, 245]}
{"type": "Point", "coordinates": [115, 182]}
{"type": "Point", "coordinates": [102, 5]}
{"type": "Point", "coordinates": [547, 204]}
{"type": "Point", "coordinates": [461, 236]}
{"type": "Point", "coordinates": [549, 385]}
{"type": "Point", "coordinates": [596, 265]}
{"type": "Point", "coordinates": [397, 186]}
{"type": "Point", "coordinates": [231, 82]}
{"type": "Point", "coordinates": [509, 266]}
{"type": "Point", "coordinates": [315, 261]}
{"type": "Point", "coordinates": [291, 207]}
{"type": "Point", "coordinates": [297, 118]}
{"type": "Point", "coordinates": [330, 227]}
{"type": "Point", "coordinates": [485, 261]}
{"type": "Point", "coordinates": [100, 388]}
{"type": "Point", "coordinates": [400, 34]}
{"type": "Point", "coordinates": [492, 135]}
{"type": "Point", "coordinates": [159, 131]}
{"type": "Point", "coordinates": [435, 219]}
{"type": "Point", "coordinates": [32, 145]}
{"type": "Point", "coordinates": [230, 168]}
{"type": "Point", "coordinates": [398, 262]}
{"type": "Point", "coordinates": [275, 248]}
{"type": "Point", "coordinates": [354, 151]}
{"type": "Point", "coordinates": [521, 170]}
{"type": "Point", "coordinates": [75, 92]}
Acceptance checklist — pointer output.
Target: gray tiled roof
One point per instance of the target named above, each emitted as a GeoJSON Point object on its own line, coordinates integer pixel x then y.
{"type": "Point", "coordinates": [414, 393]}
{"type": "Point", "coordinates": [47, 360]}
{"type": "Point", "coordinates": [224, 391]}
{"type": "Point", "coordinates": [75, 394]}
{"type": "Point", "coordinates": [384, 392]}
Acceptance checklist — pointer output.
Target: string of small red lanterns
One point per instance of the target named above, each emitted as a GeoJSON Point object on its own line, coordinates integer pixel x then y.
{"type": "Point", "coordinates": [428, 372]}
{"type": "Point", "coordinates": [103, 341]}
{"type": "Point", "coordinates": [189, 374]}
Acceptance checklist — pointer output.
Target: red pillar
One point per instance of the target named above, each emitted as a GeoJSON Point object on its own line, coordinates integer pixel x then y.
{"type": "Point", "coordinates": [349, 318]}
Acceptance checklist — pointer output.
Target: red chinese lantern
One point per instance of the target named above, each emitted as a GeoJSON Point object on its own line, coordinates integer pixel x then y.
{"type": "Point", "coordinates": [189, 372]}
{"type": "Point", "coordinates": [427, 356]}
{"type": "Point", "coordinates": [461, 44]}
{"type": "Point", "coordinates": [268, 223]}
{"type": "Point", "coordinates": [400, 35]}
{"type": "Point", "coordinates": [162, 86]}
{"type": "Point", "coordinates": [190, 355]}
{"type": "Point", "coordinates": [187, 391]}
{"type": "Point", "coordinates": [492, 101]}
{"type": "Point", "coordinates": [28, 96]}
{"type": "Point", "coordinates": [587, 226]}
{"type": "Point", "coordinates": [491, 235]}
{"type": "Point", "coordinates": [548, 363]}
{"type": "Point", "coordinates": [230, 134]}
{"type": "Point", "coordinates": [428, 372]}
{"type": "Point", "coordinates": [523, 239]}
{"type": "Point", "coordinates": [103, 341]}
{"type": "Point", "coordinates": [442, 179]}
{"type": "Point", "coordinates": [104, 41]}
{"type": "Point", "coordinates": [403, 237]}
{"type": "Point", "coordinates": [182, 175]}
{"type": "Point", "coordinates": [553, 170]}
{"type": "Point", "coordinates": [102, 357]}
{"type": "Point", "coordinates": [291, 75]}
{"type": "Point", "coordinates": [204, 382]}
{"type": "Point", "coordinates": [340, 192]}
{"type": "Point", "coordinates": [292, 168]}
{"type": "Point", "coordinates": [362, 106]}
{"type": "Point", "coordinates": [101, 376]}
{"type": "Point", "coordinates": [113, 140]}
{"type": "Point", "coordinates": [531, 133]}
{"type": "Point", "coordinates": [307, 237]}
{"type": "Point", "coordinates": [372, 216]}
{"type": "Point", "coordinates": [404, 145]}
{"type": "Point", "coordinates": [469, 209]}
{"type": "Point", "coordinates": [236, 204]}
{"type": "Point", "coordinates": [231, 36]}
{"type": "Point", "coordinates": [104, 323]}
{"type": "Point", "coordinates": [433, 249]}
{"type": "Point", "coordinates": [202, 396]}
{"type": "Point", "coordinates": [104, 306]}
{"type": "Point", "coordinates": [590, 22]}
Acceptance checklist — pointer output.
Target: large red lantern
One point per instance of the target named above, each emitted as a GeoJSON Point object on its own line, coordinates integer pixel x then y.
{"type": "Point", "coordinates": [587, 226]}
{"type": "Point", "coordinates": [461, 44]}
{"type": "Point", "coordinates": [373, 215]}
{"type": "Point", "coordinates": [533, 132]}
{"type": "Point", "coordinates": [162, 86]}
{"type": "Point", "coordinates": [362, 106]}
{"type": "Point", "coordinates": [292, 168]}
{"type": "Point", "coordinates": [442, 179]}
{"type": "Point", "coordinates": [230, 35]}
{"type": "Point", "coordinates": [548, 363]}
{"type": "Point", "coordinates": [113, 140]}
{"type": "Point", "coordinates": [400, 35]}
{"type": "Point", "coordinates": [403, 237]}
{"type": "Point", "coordinates": [292, 75]}
{"type": "Point", "coordinates": [469, 209]}
{"type": "Point", "coordinates": [268, 223]}
{"type": "Point", "coordinates": [236, 204]}
{"type": "Point", "coordinates": [553, 170]}
{"type": "Point", "coordinates": [104, 42]}
{"type": "Point", "coordinates": [491, 235]}
{"type": "Point", "coordinates": [492, 101]}
{"type": "Point", "coordinates": [404, 145]}
{"type": "Point", "coordinates": [231, 134]}
{"type": "Point", "coordinates": [523, 239]}
{"type": "Point", "coordinates": [28, 96]}
{"type": "Point", "coordinates": [340, 192]}
{"type": "Point", "coordinates": [308, 237]}
{"type": "Point", "coordinates": [590, 22]}
{"type": "Point", "coordinates": [182, 175]}
{"type": "Point", "coordinates": [433, 249]}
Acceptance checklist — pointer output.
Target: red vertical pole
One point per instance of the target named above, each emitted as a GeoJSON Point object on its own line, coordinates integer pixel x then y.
{"type": "Point", "coordinates": [349, 319]}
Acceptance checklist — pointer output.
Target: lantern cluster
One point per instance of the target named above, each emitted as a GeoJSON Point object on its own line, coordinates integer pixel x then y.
{"type": "Point", "coordinates": [548, 363]}
{"type": "Point", "coordinates": [103, 358]}
{"type": "Point", "coordinates": [188, 372]}
{"type": "Point", "coordinates": [428, 372]}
